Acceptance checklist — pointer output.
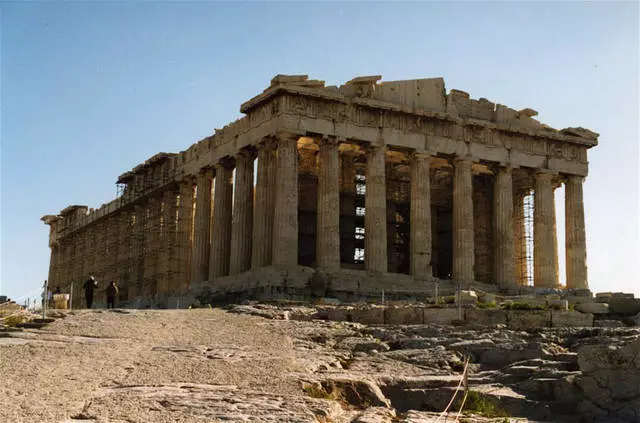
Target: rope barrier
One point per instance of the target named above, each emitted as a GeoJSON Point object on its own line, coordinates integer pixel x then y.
{"type": "Point", "coordinates": [462, 376]}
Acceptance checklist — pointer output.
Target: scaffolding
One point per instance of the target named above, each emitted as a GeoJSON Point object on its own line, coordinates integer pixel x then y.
{"type": "Point", "coordinates": [523, 221]}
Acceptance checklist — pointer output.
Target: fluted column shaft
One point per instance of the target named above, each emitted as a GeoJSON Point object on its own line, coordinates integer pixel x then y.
{"type": "Point", "coordinates": [575, 240]}
{"type": "Point", "coordinates": [375, 218]}
{"type": "Point", "coordinates": [201, 234]}
{"type": "Point", "coordinates": [264, 204]}
{"type": "Point", "coordinates": [242, 221]}
{"type": "Point", "coordinates": [169, 242]}
{"type": "Point", "coordinates": [285, 225]}
{"type": "Point", "coordinates": [503, 232]}
{"type": "Point", "coordinates": [543, 232]}
{"type": "Point", "coordinates": [328, 227]}
{"type": "Point", "coordinates": [463, 234]}
{"type": "Point", "coordinates": [221, 229]}
{"type": "Point", "coordinates": [420, 219]}
{"type": "Point", "coordinates": [185, 230]}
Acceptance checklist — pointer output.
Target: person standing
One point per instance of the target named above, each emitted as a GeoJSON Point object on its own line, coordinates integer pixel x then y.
{"type": "Point", "coordinates": [89, 286]}
{"type": "Point", "coordinates": [112, 293]}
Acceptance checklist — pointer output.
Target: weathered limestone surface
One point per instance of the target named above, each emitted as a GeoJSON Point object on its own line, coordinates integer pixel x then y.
{"type": "Point", "coordinates": [379, 196]}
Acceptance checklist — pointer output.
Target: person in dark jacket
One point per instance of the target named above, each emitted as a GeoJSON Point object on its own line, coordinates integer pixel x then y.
{"type": "Point", "coordinates": [112, 293]}
{"type": "Point", "coordinates": [89, 286]}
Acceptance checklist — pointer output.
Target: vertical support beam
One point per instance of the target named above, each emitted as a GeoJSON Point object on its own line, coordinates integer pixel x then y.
{"type": "Point", "coordinates": [375, 218]}
{"type": "Point", "coordinates": [221, 228]}
{"type": "Point", "coordinates": [328, 228]}
{"type": "Point", "coordinates": [201, 234]}
{"type": "Point", "coordinates": [348, 207]}
{"type": "Point", "coordinates": [575, 238]}
{"type": "Point", "coordinates": [285, 222]}
{"type": "Point", "coordinates": [543, 232]}
{"type": "Point", "coordinates": [503, 232]}
{"type": "Point", "coordinates": [519, 238]}
{"type": "Point", "coordinates": [420, 219]}
{"type": "Point", "coordinates": [185, 234]}
{"type": "Point", "coordinates": [463, 234]}
{"type": "Point", "coordinates": [263, 212]}
{"type": "Point", "coordinates": [242, 221]}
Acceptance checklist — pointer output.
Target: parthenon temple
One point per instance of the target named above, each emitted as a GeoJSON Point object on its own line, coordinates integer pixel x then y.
{"type": "Point", "coordinates": [343, 190]}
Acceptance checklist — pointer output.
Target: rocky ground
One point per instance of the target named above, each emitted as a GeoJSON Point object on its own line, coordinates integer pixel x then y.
{"type": "Point", "coordinates": [258, 363]}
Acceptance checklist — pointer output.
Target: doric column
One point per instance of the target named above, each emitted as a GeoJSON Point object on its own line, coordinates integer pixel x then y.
{"type": "Point", "coordinates": [185, 234]}
{"type": "Point", "coordinates": [169, 241]}
{"type": "Point", "coordinates": [463, 235]}
{"type": "Point", "coordinates": [543, 232]}
{"type": "Point", "coordinates": [503, 234]}
{"type": "Point", "coordinates": [137, 251]}
{"type": "Point", "coordinates": [375, 218]}
{"type": "Point", "coordinates": [556, 264]}
{"type": "Point", "coordinates": [328, 227]}
{"type": "Point", "coordinates": [201, 234]}
{"type": "Point", "coordinates": [221, 229]}
{"type": "Point", "coordinates": [124, 252]}
{"type": "Point", "coordinates": [575, 245]}
{"type": "Point", "coordinates": [263, 211]}
{"type": "Point", "coordinates": [347, 206]}
{"type": "Point", "coordinates": [420, 219]}
{"type": "Point", "coordinates": [285, 222]}
{"type": "Point", "coordinates": [242, 221]}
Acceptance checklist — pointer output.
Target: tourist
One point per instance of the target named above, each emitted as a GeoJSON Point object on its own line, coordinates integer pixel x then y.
{"type": "Point", "coordinates": [112, 292]}
{"type": "Point", "coordinates": [89, 286]}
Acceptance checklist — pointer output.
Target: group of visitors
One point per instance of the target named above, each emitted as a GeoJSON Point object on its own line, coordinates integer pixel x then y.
{"type": "Point", "coordinates": [91, 285]}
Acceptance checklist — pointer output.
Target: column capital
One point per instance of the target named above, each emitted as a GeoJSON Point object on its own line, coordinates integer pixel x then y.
{"type": "Point", "coordinates": [327, 140]}
{"type": "Point", "coordinates": [269, 142]}
{"type": "Point", "coordinates": [462, 161]}
{"type": "Point", "coordinates": [500, 167]}
{"type": "Point", "coordinates": [420, 155]}
{"type": "Point", "coordinates": [245, 153]}
{"type": "Point", "coordinates": [226, 162]}
{"type": "Point", "coordinates": [373, 148]}
{"type": "Point", "coordinates": [574, 179]}
{"type": "Point", "coordinates": [205, 172]}
{"type": "Point", "coordinates": [287, 136]}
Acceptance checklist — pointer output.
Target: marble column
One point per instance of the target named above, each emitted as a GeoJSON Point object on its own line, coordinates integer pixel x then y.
{"type": "Point", "coordinates": [242, 221]}
{"type": "Point", "coordinates": [348, 206]}
{"type": "Point", "coordinates": [375, 218]}
{"type": "Point", "coordinates": [328, 227]}
{"type": "Point", "coordinates": [575, 245]}
{"type": "Point", "coordinates": [543, 232]}
{"type": "Point", "coordinates": [221, 229]}
{"type": "Point", "coordinates": [264, 204]}
{"type": "Point", "coordinates": [201, 233]}
{"type": "Point", "coordinates": [463, 234]}
{"type": "Point", "coordinates": [420, 219]}
{"type": "Point", "coordinates": [169, 241]}
{"type": "Point", "coordinates": [185, 234]}
{"type": "Point", "coordinates": [285, 222]}
{"type": "Point", "coordinates": [503, 232]}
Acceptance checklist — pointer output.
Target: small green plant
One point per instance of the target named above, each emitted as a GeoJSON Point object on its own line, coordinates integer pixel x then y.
{"type": "Point", "coordinates": [479, 403]}
{"type": "Point", "coordinates": [487, 305]}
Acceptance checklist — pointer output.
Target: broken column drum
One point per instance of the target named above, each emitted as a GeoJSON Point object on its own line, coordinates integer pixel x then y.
{"type": "Point", "coordinates": [376, 185]}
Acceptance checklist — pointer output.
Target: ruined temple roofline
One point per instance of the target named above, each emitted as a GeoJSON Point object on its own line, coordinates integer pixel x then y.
{"type": "Point", "coordinates": [405, 96]}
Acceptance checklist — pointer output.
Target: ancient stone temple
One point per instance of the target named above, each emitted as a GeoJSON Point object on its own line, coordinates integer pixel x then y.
{"type": "Point", "coordinates": [351, 190]}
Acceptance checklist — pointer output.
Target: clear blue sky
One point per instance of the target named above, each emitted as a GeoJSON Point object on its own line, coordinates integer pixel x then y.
{"type": "Point", "coordinates": [89, 90]}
